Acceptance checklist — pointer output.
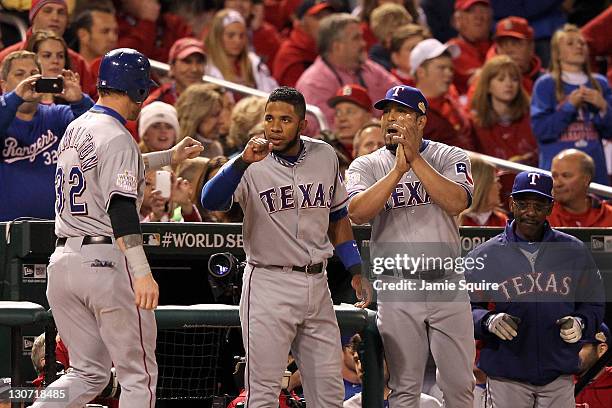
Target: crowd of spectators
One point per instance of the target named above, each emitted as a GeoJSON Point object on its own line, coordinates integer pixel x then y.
{"type": "Point", "coordinates": [514, 83]}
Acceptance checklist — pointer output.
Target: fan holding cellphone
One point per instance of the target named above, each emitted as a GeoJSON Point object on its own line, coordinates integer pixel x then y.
{"type": "Point", "coordinates": [163, 183]}
{"type": "Point", "coordinates": [52, 85]}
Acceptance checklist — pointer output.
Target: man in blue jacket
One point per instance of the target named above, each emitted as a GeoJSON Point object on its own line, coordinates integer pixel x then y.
{"type": "Point", "coordinates": [548, 294]}
{"type": "Point", "coordinates": [30, 133]}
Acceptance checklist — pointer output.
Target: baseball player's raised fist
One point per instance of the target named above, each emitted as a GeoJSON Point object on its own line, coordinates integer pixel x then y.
{"type": "Point", "coordinates": [188, 148]}
{"type": "Point", "coordinates": [257, 149]}
{"type": "Point", "coordinates": [25, 89]}
{"type": "Point", "coordinates": [363, 290]}
{"type": "Point", "coordinates": [503, 325]}
{"type": "Point", "coordinates": [570, 329]}
{"type": "Point", "coordinates": [146, 292]}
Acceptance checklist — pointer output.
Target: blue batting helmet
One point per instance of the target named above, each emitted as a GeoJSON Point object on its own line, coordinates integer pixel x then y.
{"type": "Point", "coordinates": [126, 70]}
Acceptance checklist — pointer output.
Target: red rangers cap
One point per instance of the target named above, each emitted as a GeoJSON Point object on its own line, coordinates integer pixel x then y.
{"type": "Point", "coordinates": [513, 26]}
{"type": "Point", "coordinates": [352, 93]}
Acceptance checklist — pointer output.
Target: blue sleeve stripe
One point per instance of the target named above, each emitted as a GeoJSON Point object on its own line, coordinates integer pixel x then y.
{"type": "Point", "coordinates": [337, 215]}
{"type": "Point", "coordinates": [353, 193]}
{"type": "Point", "coordinates": [218, 191]}
{"type": "Point", "coordinates": [469, 195]}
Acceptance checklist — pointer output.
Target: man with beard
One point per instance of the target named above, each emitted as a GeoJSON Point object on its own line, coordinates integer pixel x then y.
{"type": "Point", "coordinates": [410, 192]}
{"type": "Point", "coordinates": [549, 296]}
{"type": "Point", "coordinates": [294, 204]}
{"type": "Point", "coordinates": [598, 392]}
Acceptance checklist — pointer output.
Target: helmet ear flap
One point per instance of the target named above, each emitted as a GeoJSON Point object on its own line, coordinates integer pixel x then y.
{"type": "Point", "coordinates": [138, 95]}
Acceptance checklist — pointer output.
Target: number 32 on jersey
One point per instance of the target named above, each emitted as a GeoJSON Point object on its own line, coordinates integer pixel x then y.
{"type": "Point", "coordinates": [76, 188]}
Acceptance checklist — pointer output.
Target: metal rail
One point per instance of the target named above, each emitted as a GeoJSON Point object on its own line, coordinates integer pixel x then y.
{"type": "Point", "coordinates": [245, 90]}
{"type": "Point", "coordinates": [595, 188]}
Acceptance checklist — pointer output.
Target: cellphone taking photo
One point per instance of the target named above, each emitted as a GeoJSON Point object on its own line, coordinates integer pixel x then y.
{"type": "Point", "coordinates": [52, 85]}
{"type": "Point", "coordinates": [163, 182]}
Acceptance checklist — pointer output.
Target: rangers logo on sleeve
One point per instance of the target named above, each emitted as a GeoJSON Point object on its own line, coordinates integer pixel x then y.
{"type": "Point", "coordinates": [462, 168]}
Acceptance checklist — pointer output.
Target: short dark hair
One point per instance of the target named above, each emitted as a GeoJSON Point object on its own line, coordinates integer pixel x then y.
{"type": "Point", "coordinates": [109, 92]}
{"type": "Point", "coordinates": [291, 96]}
{"type": "Point", "coordinates": [84, 19]}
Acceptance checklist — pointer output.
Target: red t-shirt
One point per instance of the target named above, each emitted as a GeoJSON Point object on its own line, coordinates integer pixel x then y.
{"type": "Point", "coordinates": [508, 141]}
{"type": "Point", "coordinates": [368, 35]}
{"type": "Point", "coordinates": [295, 54]}
{"type": "Point", "coordinates": [598, 38]}
{"type": "Point", "coordinates": [280, 13]}
{"type": "Point", "coordinates": [599, 215]}
{"type": "Point", "coordinates": [598, 393]}
{"type": "Point", "coordinates": [496, 219]}
{"type": "Point", "coordinates": [472, 57]}
{"type": "Point", "coordinates": [152, 38]}
{"type": "Point", "coordinates": [447, 123]}
{"type": "Point", "coordinates": [406, 80]}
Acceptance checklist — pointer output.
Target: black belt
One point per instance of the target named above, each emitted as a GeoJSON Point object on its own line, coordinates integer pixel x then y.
{"type": "Point", "coordinates": [87, 240]}
{"type": "Point", "coordinates": [428, 275]}
{"type": "Point", "coordinates": [310, 269]}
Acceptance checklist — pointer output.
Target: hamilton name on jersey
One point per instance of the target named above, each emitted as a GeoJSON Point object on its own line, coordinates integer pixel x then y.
{"type": "Point", "coordinates": [407, 194]}
{"type": "Point", "coordinates": [307, 196]}
{"type": "Point", "coordinates": [81, 140]}
{"type": "Point", "coordinates": [14, 152]}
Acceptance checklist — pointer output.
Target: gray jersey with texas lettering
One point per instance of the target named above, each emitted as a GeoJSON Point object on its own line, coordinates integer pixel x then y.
{"type": "Point", "coordinates": [410, 220]}
{"type": "Point", "coordinates": [287, 206]}
{"type": "Point", "coordinates": [97, 159]}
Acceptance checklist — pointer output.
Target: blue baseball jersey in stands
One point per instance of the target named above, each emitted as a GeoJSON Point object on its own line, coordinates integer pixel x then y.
{"type": "Point", "coordinates": [558, 125]}
{"type": "Point", "coordinates": [29, 156]}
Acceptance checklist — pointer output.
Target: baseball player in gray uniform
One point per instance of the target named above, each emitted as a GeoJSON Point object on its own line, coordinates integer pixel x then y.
{"type": "Point", "coordinates": [100, 285]}
{"type": "Point", "coordinates": [410, 191]}
{"type": "Point", "coordinates": [294, 201]}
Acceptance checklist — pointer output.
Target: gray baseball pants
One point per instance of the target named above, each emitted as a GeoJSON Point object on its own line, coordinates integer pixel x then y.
{"type": "Point", "coordinates": [413, 323]}
{"type": "Point", "coordinates": [282, 310]}
{"type": "Point", "coordinates": [504, 393]}
{"type": "Point", "coordinates": [95, 314]}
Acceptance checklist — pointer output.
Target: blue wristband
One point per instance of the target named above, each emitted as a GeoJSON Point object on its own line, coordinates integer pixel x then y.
{"type": "Point", "coordinates": [348, 254]}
